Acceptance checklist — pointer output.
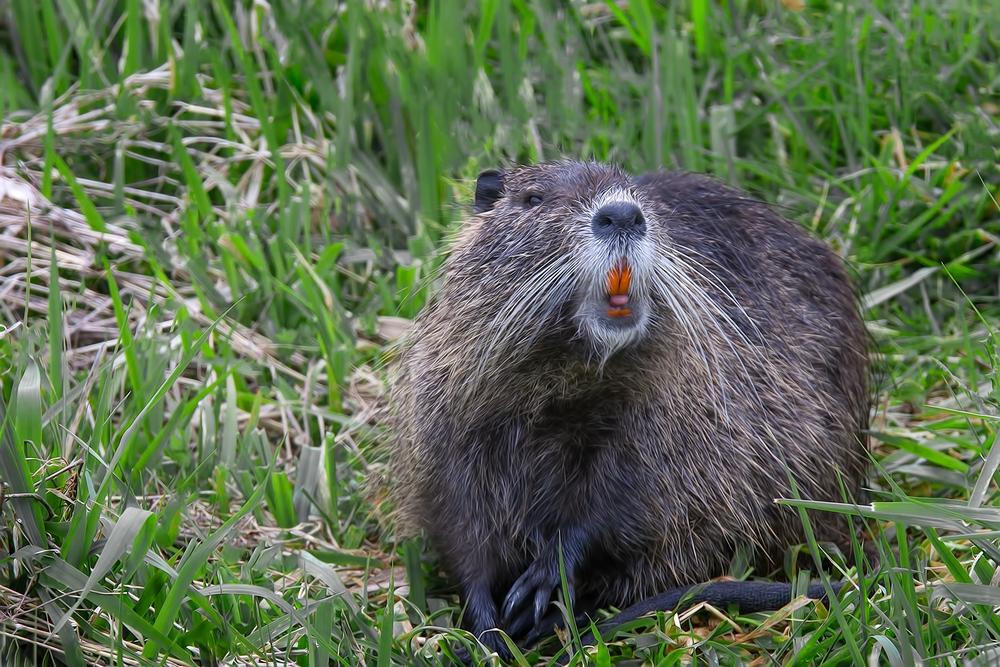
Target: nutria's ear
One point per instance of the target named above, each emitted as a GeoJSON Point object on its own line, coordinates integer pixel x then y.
{"type": "Point", "coordinates": [489, 190]}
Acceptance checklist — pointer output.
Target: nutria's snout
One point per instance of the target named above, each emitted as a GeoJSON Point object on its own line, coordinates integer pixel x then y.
{"type": "Point", "coordinates": [619, 220]}
{"type": "Point", "coordinates": [621, 224]}
{"type": "Point", "coordinates": [621, 239]}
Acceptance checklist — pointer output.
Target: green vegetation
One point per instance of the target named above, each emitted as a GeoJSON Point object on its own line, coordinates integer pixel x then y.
{"type": "Point", "coordinates": [214, 214]}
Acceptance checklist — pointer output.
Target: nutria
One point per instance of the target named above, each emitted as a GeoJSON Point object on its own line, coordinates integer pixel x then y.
{"type": "Point", "coordinates": [629, 369]}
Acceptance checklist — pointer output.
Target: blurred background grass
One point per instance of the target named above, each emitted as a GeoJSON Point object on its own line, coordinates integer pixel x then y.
{"type": "Point", "coordinates": [217, 217]}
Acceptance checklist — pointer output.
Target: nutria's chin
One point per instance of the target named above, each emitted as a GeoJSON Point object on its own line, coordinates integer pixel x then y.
{"type": "Point", "coordinates": [623, 371]}
{"type": "Point", "coordinates": [608, 334]}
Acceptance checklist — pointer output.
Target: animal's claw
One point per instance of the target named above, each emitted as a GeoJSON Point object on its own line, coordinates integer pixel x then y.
{"type": "Point", "coordinates": [528, 599]}
{"type": "Point", "coordinates": [543, 595]}
{"type": "Point", "coordinates": [523, 599]}
{"type": "Point", "coordinates": [516, 595]}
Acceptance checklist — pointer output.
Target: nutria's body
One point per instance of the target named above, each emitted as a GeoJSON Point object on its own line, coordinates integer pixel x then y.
{"type": "Point", "coordinates": [649, 435]}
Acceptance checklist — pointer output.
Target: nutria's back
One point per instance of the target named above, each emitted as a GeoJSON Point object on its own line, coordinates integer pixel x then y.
{"type": "Point", "coordinates": [628, 364]}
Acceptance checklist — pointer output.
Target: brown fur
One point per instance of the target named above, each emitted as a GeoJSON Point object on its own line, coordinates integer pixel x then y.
{"type": "Point", "coordinates": [653, 462]}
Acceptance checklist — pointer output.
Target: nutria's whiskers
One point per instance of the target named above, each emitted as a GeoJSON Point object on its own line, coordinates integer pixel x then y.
{"type": "Point", "coordinates": [521, 318]}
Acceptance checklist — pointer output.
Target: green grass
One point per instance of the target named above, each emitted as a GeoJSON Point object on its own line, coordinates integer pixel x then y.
{"type": "Point", "coordinates": [214, 214]}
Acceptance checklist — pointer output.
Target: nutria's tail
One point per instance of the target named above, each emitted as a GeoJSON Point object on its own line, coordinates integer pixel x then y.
{"type": "Point", "coordinates": [751, 596]}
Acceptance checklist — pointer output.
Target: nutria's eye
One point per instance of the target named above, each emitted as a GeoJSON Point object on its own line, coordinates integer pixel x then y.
{"type": "Point", "coordinates": [532, 201]}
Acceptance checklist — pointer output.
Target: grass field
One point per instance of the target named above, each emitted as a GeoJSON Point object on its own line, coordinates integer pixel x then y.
{"type": "Point", "coordinates": [216, 218]}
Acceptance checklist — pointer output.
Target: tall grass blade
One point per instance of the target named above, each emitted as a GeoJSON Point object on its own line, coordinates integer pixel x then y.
{"type": "Point", "coordinates": [125, 530]}
{"type": "Point", "coordinates": [16, 475]}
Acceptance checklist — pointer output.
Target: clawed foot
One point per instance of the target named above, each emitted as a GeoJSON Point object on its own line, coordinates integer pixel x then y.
{"type": "Point", "coordinates": [529, 598]}
{"type": "Point", "coordinates": [526, 610]}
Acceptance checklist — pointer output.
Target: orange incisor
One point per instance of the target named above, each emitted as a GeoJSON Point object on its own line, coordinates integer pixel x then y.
{"type": "Point", "coordinates": [619, 278]}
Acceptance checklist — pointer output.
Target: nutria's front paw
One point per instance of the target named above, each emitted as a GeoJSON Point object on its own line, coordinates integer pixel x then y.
{"type": "Point", "coordinates": [530, 595]}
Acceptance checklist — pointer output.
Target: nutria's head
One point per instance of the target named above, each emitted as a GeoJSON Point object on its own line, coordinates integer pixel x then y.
{"type": "Point", "coordinates": [562, 247]}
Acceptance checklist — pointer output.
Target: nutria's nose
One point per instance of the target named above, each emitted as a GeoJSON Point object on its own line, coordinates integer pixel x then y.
{"type": "Point", "coordinates": [618, 218]}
